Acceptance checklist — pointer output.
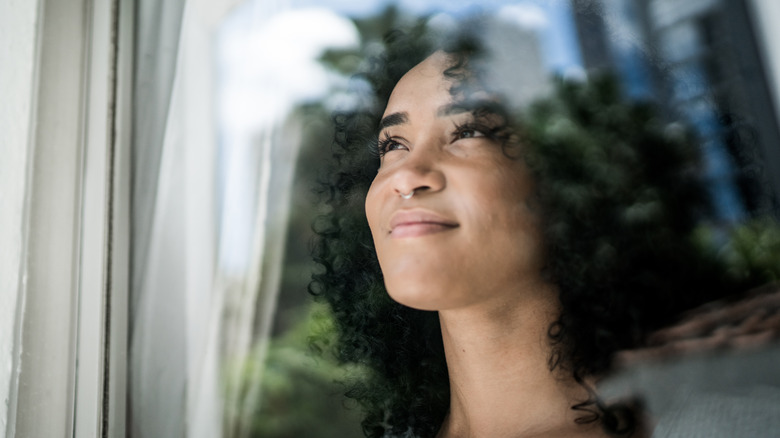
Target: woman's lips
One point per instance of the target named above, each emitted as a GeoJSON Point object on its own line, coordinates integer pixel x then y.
{"type": "Point", "coordinates": [415, 223]}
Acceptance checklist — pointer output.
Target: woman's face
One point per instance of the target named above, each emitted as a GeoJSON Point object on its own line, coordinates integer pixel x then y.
{"type": "Point", "coordinates": [466, 236]}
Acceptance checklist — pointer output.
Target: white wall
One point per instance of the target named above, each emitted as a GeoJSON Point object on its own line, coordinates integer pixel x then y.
{"type": "Point", "coordinates": [766, 14]}
{"type": "Point", "coordinates": [18, 21]}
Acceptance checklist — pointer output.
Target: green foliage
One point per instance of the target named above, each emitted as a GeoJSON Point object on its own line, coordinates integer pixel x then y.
{"type": "Point", "coordinates": [753, 251]}
{"type": "Point", "coordinates": [603, 157]}
{"type": "Point", "coordinates": [621, 197]}
{"type": "Point", "coordinates": [300, 392]}
{"type": "Point", "coordinates": [618, 176]}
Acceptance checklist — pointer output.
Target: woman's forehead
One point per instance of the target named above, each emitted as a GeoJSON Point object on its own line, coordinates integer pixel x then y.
{"type": "Point", "coordinates": [431, 71]}
{"type": "Point", "coordinates": [425, 85]}
{"type": "Point", "coordinates": [433, 65]}
{"type": "Point", "coordinates": [430, 87]}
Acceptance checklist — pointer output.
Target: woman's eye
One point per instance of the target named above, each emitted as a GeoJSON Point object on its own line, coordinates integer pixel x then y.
{"type": "Point", "coordinates": [388, 145]}
{"type": "Point", "coordinates": [470, 133]}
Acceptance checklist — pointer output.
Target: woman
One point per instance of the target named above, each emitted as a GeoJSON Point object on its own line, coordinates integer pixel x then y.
{"type": "Point", "coordinates": [484, 267]}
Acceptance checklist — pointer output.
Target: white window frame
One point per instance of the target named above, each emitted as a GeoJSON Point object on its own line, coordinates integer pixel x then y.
{"type": "Point", "coordinates": [68, 365]}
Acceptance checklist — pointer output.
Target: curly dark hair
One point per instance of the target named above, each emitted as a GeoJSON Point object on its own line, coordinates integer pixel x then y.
{"type": "Point", "coordinates": [619, 197]}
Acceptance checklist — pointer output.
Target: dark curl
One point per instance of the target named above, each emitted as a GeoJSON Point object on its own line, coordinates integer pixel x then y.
{"type": "Point", "coordinates": [619, 197]}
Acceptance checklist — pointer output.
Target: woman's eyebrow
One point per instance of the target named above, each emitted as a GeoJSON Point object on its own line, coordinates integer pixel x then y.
{"type": "Point", "coordinates": [392, 120]}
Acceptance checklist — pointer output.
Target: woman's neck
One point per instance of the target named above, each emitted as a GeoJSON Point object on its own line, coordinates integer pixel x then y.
{"type": "Point", "coordinates": [500, 381]}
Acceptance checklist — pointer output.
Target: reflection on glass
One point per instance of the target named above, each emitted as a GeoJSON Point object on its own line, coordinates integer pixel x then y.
{"type": "Point", "coordinates": [296, 78]}
{"type": "Point", "coordinates": [280, 72]}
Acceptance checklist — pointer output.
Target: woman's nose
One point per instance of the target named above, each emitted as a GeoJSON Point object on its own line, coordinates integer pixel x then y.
{"type": "Point", "coordinates": [420, 172]}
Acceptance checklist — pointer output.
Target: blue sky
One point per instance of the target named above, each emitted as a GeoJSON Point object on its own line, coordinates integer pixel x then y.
{"type": "Point", "coordinates": [558, 40]}
{"type": "Point", "coordinates": [368, 7]}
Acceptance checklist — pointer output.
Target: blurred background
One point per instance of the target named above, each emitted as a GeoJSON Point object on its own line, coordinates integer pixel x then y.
{"type": "Point", "coordinates": [232, 128]}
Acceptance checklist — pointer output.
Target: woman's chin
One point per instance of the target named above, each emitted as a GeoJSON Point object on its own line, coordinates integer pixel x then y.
{"type": "Point", "coordinates": [414, 296]}
{"type": "Point", "coordinates": [425, 296]}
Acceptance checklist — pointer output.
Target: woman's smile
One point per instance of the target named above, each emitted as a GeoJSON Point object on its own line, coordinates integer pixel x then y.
{"type": "Point", "coordinates": [418, 222]}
